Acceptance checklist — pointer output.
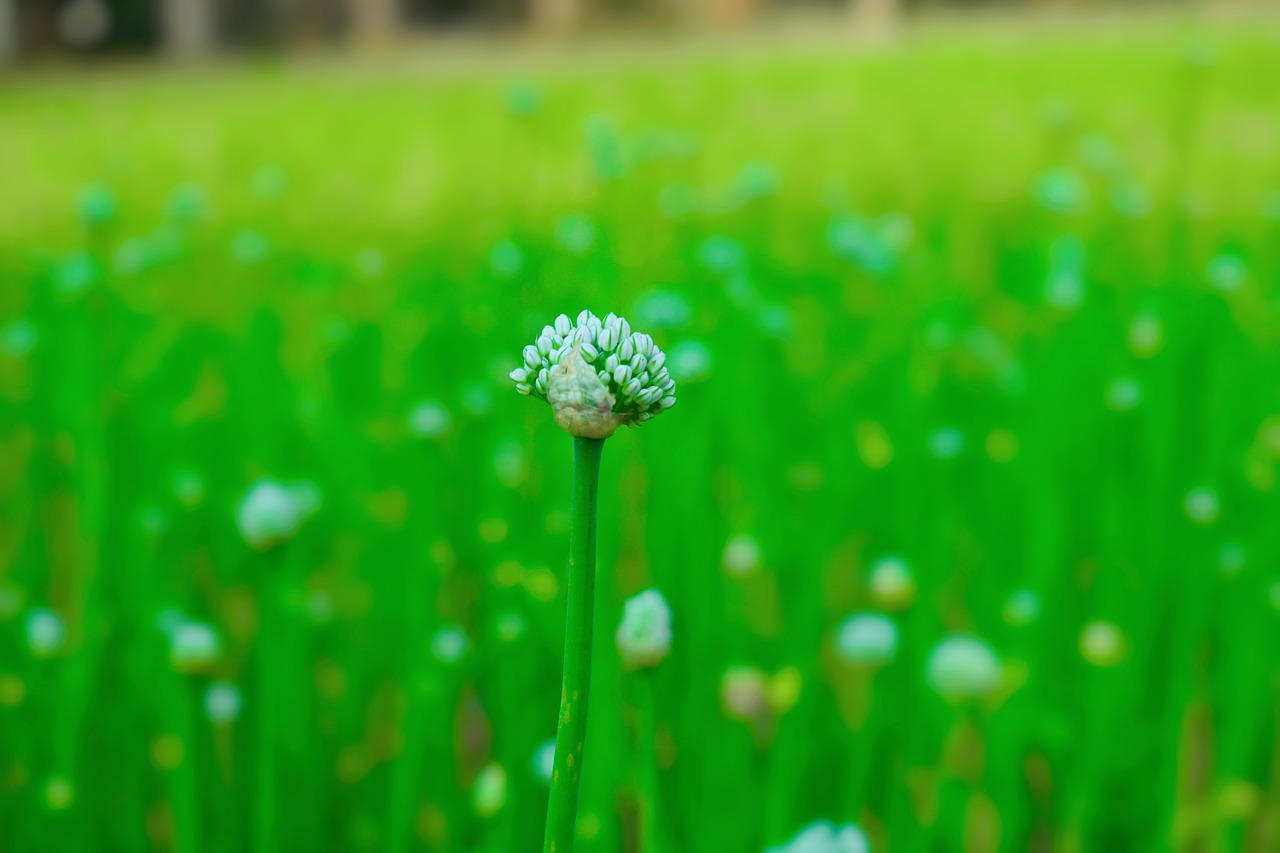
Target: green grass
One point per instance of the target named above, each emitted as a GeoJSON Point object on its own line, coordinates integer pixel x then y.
{"type": "Point", "coordinates": [910, 354]}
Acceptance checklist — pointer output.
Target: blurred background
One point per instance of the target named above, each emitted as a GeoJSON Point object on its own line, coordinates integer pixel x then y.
{"type": "Point", "coordinates": [967, 513]}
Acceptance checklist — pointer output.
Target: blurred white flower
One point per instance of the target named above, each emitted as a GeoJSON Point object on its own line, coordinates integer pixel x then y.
{"type": "Point", "coordinates": [963, 667]}
{"type": "Point", "coordinates": [741, 555]}
{"type": "Point", "coordinates": [272, 512]}
{"type": "Point", "coordinates": [892, 585]}
{"type": "Point", "coordinates": [824, 837]}
{"type": "Point", "coordinates": [544, 760]}
{"type": "Point", "coordinates": [449, 644]}
{"type": "Point", "coordinates": [1202, 505]}
{"type": "Point", "coordinates": [46, 632]}
{"type": "Point", "coordinates": [1102, 644]}
{"type": "Point", "coordinates": [489, 793]}
{"type": "Point", "coordinates": [222, 703]}
{"type": "Point", "coordinates": [430, 419]}
{"type": "Point", "coordinates": [193, 646]}
{"type": "Point", "coordinates": [744, 692]}
{"type": "Point", "coordinates": [867, 638]}
{"type": "Point", "coordinates": [644, 635]}
{"type": "Point", "coordinates": [1022, 608]}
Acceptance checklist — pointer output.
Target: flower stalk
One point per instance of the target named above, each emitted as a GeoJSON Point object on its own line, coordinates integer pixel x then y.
{"type": "Point", "coordinates": [571, 725]}
{"type": "Point", "coordinates": [597, 375]}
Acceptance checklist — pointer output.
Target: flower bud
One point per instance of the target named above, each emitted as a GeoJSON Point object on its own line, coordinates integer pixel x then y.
{"type": "Point", "coordinates": [596, 375]}
{"type": "Point", "coordinates": [644, 635]}
{"type": "Point", "coordinates": [963, 667]}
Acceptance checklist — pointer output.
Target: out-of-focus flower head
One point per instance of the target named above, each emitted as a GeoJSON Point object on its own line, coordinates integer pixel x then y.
{"type": "Point", "coordinates": [644, 635]}
{"type": "Point", "coordinates": [272, 512]}
{"type": "Point", "coordinates": [963, 667]}
{"type": "Point", "coordinates": [825, 837]}
{"type": "Point", "coordinates": [867, 638]}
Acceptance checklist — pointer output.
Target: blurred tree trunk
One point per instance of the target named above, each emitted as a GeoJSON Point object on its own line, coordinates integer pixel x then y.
{"type": "Point", "coordinates": [729, 14]}
{"type": "Point", "coordinates": [557, 16]}
{"type": "Point", "coordinates": [8, 30]}
{"type": "Point", "coordinates": [876, 17]}
{"type": "Point", "coordinates": [187, 27]}
{"type": "Point", "coordinates": [373, 21]}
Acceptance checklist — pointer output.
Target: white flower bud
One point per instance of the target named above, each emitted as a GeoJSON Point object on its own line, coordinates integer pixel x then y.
{"type": "Point", "coordinates": [616, 377]}
{"type": "Point", "coordinates": [544, 761]}
{"type": "Point", "coordinates": [193, 646]}
{"type": "Point", "coordinates": [644, 635]}
{"type": "Point", "coordinates": [867, 638]}
{"type": "Point", "coordinates": [46, 632]}
{"type": "Point", "coordinates": [272, 512]}
{"type": "Point", "coordinates": [490, 792]}
{"type": "Point", "coordinates": [222, 703]}
{"type": "Point", "coordinates": [963, 667]}
{"type": "Point", "coordinates": [823, 837]}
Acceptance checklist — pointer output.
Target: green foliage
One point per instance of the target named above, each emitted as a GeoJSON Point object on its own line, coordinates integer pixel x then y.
{"type": "Point", "coordinates": [980, 333]}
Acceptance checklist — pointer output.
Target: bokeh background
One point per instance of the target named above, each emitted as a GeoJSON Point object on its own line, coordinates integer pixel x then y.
{"type": "Point", "coordinates": [976, 329]}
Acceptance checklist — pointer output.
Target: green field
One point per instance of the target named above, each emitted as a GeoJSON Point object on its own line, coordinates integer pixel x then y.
{"type": "Point", "coordinates": [997, 305]}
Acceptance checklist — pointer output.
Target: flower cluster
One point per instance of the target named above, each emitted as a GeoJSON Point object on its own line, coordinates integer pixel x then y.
{"type": "Point", "coordinates": [596, 374]}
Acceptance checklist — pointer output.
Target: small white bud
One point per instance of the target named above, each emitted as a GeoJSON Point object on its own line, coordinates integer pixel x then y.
{"type": "Point", "coordinates": [272, 512]}
{"type": "Point", "coordinates": [46, 632]}
{"type": "Point", "coordinates": [644, 635]}
{"type": "Point", "coordinates": [963, 667]}
{"type": "Point", "coordinates": [563, 325]}
{"type": "Point", "coordinates": [222, 703]}
{"type": "Point", "coordinates": [867, 638]}
{"type": "Point", "coordinates": [193, 646]}
{"type": "Point", "coordinates": [823, 837]}
{"type": "Point", "coordinates": [490, 792]}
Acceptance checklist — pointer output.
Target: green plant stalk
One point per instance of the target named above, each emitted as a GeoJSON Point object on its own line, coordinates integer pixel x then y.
{"type": "Point", "coordinates": [648, 769]}
{"type": "Point", "coordinates": [571, 724]}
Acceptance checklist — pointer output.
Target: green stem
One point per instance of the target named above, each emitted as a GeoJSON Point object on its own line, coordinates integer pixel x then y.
{"type": "Point", "coordinates": [571, 725]}
{"type": "Point", "coordinates": [648, 770]}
